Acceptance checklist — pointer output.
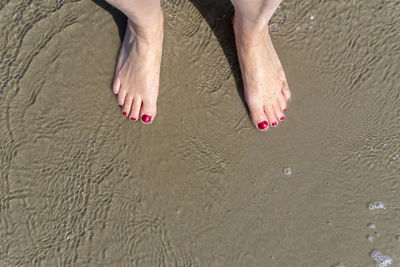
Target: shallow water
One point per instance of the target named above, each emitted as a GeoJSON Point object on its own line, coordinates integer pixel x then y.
{"type": "Point", "coordinates": [80, 185]}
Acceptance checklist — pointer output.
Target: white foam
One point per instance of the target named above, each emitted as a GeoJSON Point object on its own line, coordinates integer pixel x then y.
{"type": "Point", "coordinates": [371, 226]}
{"type": "Point", "coordinates": [380, 259]}
{"type": "Point", "coordinates": [376, 205]}
{"type": "Point", "coordinates": [287, 171]}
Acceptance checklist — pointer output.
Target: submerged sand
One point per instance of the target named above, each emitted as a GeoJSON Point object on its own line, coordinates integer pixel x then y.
{"type": "Point", "coordinates": [81, 185]}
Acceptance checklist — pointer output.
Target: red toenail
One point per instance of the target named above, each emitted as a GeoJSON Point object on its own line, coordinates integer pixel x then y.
{"type": "Point", "coordinates": [282, 118]}
{"type": "Point", "coordinates": [262, 125]}
{"type": "Point", "coordinates": [120, 106]}
{"type": "Point", "coordinates": [133, 119]}
{"type": "Point", "coordinates": [124, 113]}
{"type": "Point", "coordinates": [284, 110]}
{"type": "Point", "coordinates": [274, 124]}
{"type": "Point", "coordinates": [146, 118]}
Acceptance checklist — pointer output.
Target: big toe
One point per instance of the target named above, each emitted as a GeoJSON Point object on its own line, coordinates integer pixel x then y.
{"type": "Point", "coordinates": [258, 116]}
{"type": "Point", "coordinates": [148, 111]}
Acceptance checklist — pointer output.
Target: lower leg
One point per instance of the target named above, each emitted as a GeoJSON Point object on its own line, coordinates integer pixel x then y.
{"type": "Point", "coordinates": [256, 11]}
{"type": "Point", "coordinates": [265, 85]}
{"type": "Point", "coordinates": [142, 13]}
{"type": "Point", "coordinates": [136, 81]}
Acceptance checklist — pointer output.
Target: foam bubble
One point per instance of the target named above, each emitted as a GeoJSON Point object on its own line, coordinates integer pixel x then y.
{"type": "Point", "coordinates": [376, 205]}
{"type": "Point", "coordinates": [371, 226]}
{"type": "Point", "coordinates": [340, 265]}
{"type": "Point", "coordinates": [381, 260]}
{"type": "Point", "coordinates": [287, 171]}
{"type": "Point", "coordinates": [370, 238]}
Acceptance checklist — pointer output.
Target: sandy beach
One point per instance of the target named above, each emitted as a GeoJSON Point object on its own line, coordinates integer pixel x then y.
{"type": "Point", "coordinates": [82, 185]}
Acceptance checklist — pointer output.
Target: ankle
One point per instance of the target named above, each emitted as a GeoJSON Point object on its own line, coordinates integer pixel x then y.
{"type": "Point", "coordinates": [149, 31]}
{"type": "Point", "coordinates": [250, 31]}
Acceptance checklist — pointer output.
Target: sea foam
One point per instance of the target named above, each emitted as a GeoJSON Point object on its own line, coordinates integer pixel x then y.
{"type": "Point", "coordinates": [381, 260]}
{"type": "Point", "coordinates": [376, 205]}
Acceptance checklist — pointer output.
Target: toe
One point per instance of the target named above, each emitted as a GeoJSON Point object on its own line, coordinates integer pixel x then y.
{"type": "Point", "coordinates": [126, 109]}
{"type": "Point", "coordinates": [285, 91]}
{"type": "Point", "coordinates": [282, 103]}
{"type": "Point", "coordinates": [270, 111]}
{"type": "Point", "coordinates": [135, 109]}
{"type": "Point", "coordinates": [258, 115]}
{"type": "Point", "coordinates": [278, 113]}
{"type": "Point", "coordinates": [116, 85]}
{"type": "Point", "coordinates": [148, 111]}
{"type": "Point", "coordinates": [121, 97]}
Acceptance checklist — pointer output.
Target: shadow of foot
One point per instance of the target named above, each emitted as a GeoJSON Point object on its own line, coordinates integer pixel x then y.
{"type": "Point", "coordinates": [218, 15]}
{"type": "Point", "coordinates": [118, 16]}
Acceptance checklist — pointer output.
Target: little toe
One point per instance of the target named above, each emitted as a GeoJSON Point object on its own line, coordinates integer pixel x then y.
{"type": "Point", "coordinates": [272, 120]}
{"type": "Point", "coordinates": [286, 92]}
{"type": "Point", "coordinates": [258, 116]}
{"type": "Point", "coordinates": [116, 85]}
{"type": "Point", "coordinates": [127, 105]}
{"type": "Point", "coordinates": [148, 111]}
{"type": "Point", "coordinates": [135, 109]}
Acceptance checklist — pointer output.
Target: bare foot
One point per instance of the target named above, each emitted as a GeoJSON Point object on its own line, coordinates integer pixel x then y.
{"type": "Point", "coordinates": [265, 86]}
{"type": "Point", "coordinates": [136, 81]}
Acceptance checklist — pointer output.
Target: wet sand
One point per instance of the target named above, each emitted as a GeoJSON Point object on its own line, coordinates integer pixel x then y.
{"type": "Point", "coordinates": [81, 185]}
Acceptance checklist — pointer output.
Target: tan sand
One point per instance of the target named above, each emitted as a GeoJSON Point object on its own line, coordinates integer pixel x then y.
{"type": "Point", "coordinates": [81, 185]}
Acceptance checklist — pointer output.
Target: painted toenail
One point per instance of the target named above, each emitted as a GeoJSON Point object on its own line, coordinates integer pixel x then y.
{"type": "Point", "coordinates": [262, 125]}
{"type": "Point", "coordinates": [133, 119]}
{"type": "Point", "coordinates": [274, 124]}
{"type": "Point", "coordinates": [146, 118]}
{"type": "Point", "coordinates": [284, 110]}
{"type": "Point", "coordinates": [124, 113]}
{"type": "Point", "coordinates": [120, 106]}
{"type": "Point", "coordinates": [282, 118]}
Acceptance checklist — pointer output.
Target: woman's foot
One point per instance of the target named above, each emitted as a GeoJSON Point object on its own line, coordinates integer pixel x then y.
{"type": "Point", "coordinates": [265, 86]}
{"type": "Point", "coordinates": [136, 81]}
